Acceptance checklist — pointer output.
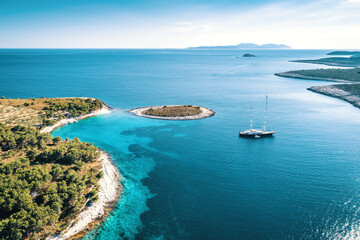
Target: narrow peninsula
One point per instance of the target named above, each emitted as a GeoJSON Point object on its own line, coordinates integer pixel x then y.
{"type": "Point", "coordinates": [325, 74]}
{"type": "Point", "coordinates": [349, 90]}
{"type": "Point", "coordinates": [51, 188]}
{"type": "Point", "coordinates": [174, 112]}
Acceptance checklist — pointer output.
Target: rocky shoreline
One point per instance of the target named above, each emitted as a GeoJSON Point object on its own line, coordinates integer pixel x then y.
{"type": "Point", "coordinates": [333, 91]}
{"type": "Point", "coordinates": [348, 75]}
{"type": "Point", "coordinates": [109, 192]}
{"type": "Point", "coordinates": [328, 90]}
{"type": "Point", "coordinates": [300, 76]}
{"type": "Point", "coordinates": [205, 112]}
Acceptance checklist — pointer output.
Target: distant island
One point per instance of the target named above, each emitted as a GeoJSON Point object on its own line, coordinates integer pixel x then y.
{"type": "Point", "coordinates": [243, 46]}
{"type": "Point", "coordinates": [249, 55]}
{"type": "Point", "coordinates": [174, 112]}
{"type": "Point", "coordinates": [345, 53]}
{"type": "Point", "coordinates": [51, 188]}
{"type": "Point", "coordinates": [352, 59]}
{"type": "Point", "coordinates": [350, 91]}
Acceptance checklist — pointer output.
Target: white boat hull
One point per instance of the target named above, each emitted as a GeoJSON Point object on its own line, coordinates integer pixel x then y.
{"type": "Point", "coordinates": [256, 134]}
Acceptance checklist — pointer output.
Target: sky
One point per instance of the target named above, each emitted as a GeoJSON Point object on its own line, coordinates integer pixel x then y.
{"type": "Point", "coordinates": [318, 24]}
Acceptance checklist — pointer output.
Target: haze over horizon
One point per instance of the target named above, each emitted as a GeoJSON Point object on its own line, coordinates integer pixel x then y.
{"type": "Point", "coordinates": [321, 24]}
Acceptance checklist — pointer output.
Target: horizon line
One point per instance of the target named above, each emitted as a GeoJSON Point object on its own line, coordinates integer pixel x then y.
{"type": "Point", "coordinates": [187, 48]}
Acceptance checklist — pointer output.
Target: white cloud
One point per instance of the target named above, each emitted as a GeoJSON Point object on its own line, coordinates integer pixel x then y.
{"type": "Point", "coordinates": [321, 24]}
{"type": "Point", "coordinates": [327, 24]}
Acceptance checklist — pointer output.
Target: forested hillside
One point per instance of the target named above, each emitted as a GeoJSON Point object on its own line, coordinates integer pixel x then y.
{"type": "Point", "coordinates": [44, 181]}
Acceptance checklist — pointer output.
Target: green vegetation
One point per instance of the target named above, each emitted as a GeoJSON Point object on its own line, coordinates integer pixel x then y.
{"type": "Point", "coordinates": [44, 111]}
{"type": "Point", "coordinates": [56, 140]}
{"type": "Point", "coordinates": [344, 53]}
{"type": "Point", "coordinates": [352, 89]}
{"type": "Point", "coordinates": [173, 111]}
{"type": "Point", "coordinates": [347, 92]}
{"type": "Point", "coordinates": [72, 107]}
{"type": "Point", "coordinates": [44, 181]}
{"type": "Point", "coordinates": [352, 61]}
{"type": "Point", "coordinates": [352, 75]}
{"type": "Point", "coordinates": [335, 61]}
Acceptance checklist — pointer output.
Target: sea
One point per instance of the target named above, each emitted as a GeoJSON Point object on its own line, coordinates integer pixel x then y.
{"type": "Point", "coordinates": [197, 179]}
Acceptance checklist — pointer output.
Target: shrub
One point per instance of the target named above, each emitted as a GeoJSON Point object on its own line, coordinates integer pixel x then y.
{"type": "Point", "coordinates": [48, 122]}
{"type": "Point", "coordinates": [42, 145]}
{"type": "Point", "coordinates": [174, 111]}
{"type": "Point", "coordinates": [56, 140]}
{"type": "Point", "coordinates": [95, 198]}
{"type": "Point", "coordinates": [100, 174]}
{"type": "Point", "coordinates": [91, 194]}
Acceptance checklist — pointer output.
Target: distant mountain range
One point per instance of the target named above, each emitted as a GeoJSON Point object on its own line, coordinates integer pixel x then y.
{"type": "Point", "coordinates": [244, 46]}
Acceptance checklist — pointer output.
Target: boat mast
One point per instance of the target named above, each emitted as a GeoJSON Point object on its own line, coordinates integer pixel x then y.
{"type": "Point", "coordinates": [265, 114]}
{"type": "Point", "coordinates": [251, 116]}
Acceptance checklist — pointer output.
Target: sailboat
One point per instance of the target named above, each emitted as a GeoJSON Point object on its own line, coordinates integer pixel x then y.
{"type": "Point", "coordinates": [257, 133]}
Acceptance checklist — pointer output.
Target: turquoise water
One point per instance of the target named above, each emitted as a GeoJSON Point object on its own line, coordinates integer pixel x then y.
{"type": "Point", "coordinates": [198, 179]}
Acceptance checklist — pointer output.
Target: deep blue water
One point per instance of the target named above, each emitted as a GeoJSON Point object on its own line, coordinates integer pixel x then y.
{"type": "Point", "coordinates": [198, 179]}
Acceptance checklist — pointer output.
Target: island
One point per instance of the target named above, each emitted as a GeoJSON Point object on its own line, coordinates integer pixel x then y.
{"type": "Point", "coordinates": [51, 188]}
{"type": "Point", "coordinates": [348, 59]}
{"type": "Point", "coordinates": [242, 46]}
{"type": "Point", "coordinates": [249, 55]}
{"type": "Point", "coordinates": [350, 77]}
{"type": "Point", "coordinates": [174, 112]}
